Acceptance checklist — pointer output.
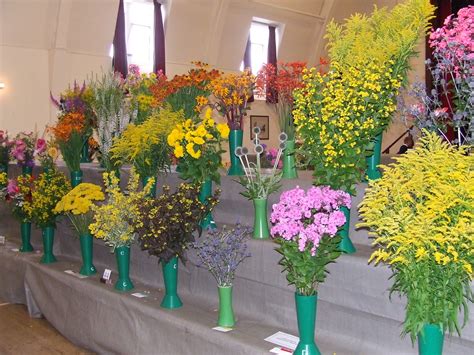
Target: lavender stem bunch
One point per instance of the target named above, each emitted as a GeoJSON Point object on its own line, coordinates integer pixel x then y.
{"type": "Point", "coordinates": [221, 252]}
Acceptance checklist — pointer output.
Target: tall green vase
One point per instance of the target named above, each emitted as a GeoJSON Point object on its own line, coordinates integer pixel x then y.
{"type": "Point", "coordinates": [170, 276]}
{"type": "Point", "coordinates": [25, 229]}
{"type": "Point", "coordinates": [430, 340]}
{"type": "Point", "coordinates": [289, 161]}
{"type": "Point", "coordinates": [306, 316]}
{"type": "Point", "coordinates": [48, 242]}
{"type": "Point", "coordinates": [85, 151]}
{"type": "Point", "coordinates": [76, 178]}
{"type": "Point", "coordinates": [346, 245]}
{"type": "Point", "coordinates": [87, 268]}
{"type": "Point", "coordinates": [26, 170]}
{"type": "Point", "coordinates": [235, 140]}
{"type": "Point", "coordinates": [373, 161]}
{"type": "Point", "coordinates": [260, 224]}
{"type": "Point", "coordinates": [122, 254]}
{"type": "Point", "coordinates": [226, 312]}
{"type": "Point", "coordinates": [145, 180]}
{"type": "Point", "coordinates": [4, 168]}
{"type": "Point", "coordinates": [204, 193]}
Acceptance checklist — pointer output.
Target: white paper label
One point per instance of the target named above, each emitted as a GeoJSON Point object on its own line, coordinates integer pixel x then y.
{"type": "Point", "coordinates": [107, 273]}
{"type": "Point", "coordinates": [284, 340]}
{"type": "Point", "coordinates": [281, 351]}
{"type": "Point", "coordinates": [222, 329]}
{"type": "Point", "coordinates": [75, 274]}
{"type": "Point", "coordinates": [16, 250]}
{"type": "Point", "coordinates": [139, 295]}
{"type": "Point", "coordinates": [2, 240]}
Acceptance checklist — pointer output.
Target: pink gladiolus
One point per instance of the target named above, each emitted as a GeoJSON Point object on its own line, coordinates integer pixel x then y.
{"type": "Point", "coordinates": [40, 146]}
{"type": "Point", "coordinates": [12, 188]}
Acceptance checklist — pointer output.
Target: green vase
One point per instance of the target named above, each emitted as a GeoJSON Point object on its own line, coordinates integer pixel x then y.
{"type": "Point", "coordinates": [430, 340]}
{"type": "Point", "coordinates": [306, 316]}
{"type": "Point", "coordinates": [48, 241]}
{"type": "Point", "coordinates": [26, 170]}
{"type": "Point", "coordinates": [204, 193]}
{"type": "Point", "coordinates": [4, 168]}
{"type": "Point", "coordinates": [373, 161]}
{"type": "Point", "coordinates": [85, 151]}
{"type": "Point", "coordinates": [226, 313]}
{"type": "Point", "coordinates": [25, 229]}
{"type": "Point", "coordinates": [87, 268]}
{"type": "Point", "coordinates": [289, 161]}
{"type": "Point", "coordinates": [122, 254]}
{"type": "Point", "coordinates": [170, 276]}
{"type": "Point", "coordinates": [235, 140]}
{"type": "Point", "coordinates": [346, 245]}
{"type": "Point", "coordinates": [260, 224]}
{"type": "Point", "coordinates": [145, 180]}
{"type": "Point", "coordinates": [76, 178]}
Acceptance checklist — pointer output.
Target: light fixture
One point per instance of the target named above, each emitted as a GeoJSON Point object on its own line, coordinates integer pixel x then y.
{"type": "Point", "coordinates": [2, 85]}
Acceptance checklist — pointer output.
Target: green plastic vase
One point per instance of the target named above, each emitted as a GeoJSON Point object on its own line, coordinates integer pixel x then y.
{"type": "Point", "coordinates": [346, 245]}
{"type": "Point", "coordinates": [204, 193]}
{"type": "Point", "coordinates": [76, 178]}
{"type": "Point", "coordinates": [306, 316]}
{"type": "Point", "coordinates": [289, 161]}
{"type": "Point", "coordinates": [25, 229]}
{"type": "Point", "coordinates": [122, 254]}
{"type": "Point", "coordinates": [88, 267]}
{"type": "Point", "coordinates": [235, 140]}
{"type": "Point", "coordinates": [145, 180]}
{"type": "Point", "coordinates": [4, 168]}
{"type": "Point", "coordinates": [170, 277]}
{"type": "Point", "coordinates": [430, 340]}
{"type": "Point", "coordinates": [226, 312]}
{"type": "Point", "coordinates": [373, 161]}
{"type": "Point", "coordinates": [26, 170]}
{"type": "Point", "coordinates": [48, 242]}
{"type": "Point", "coordinates": [260, 224]}
{"type": "Point", "coordinates": [85, 151]}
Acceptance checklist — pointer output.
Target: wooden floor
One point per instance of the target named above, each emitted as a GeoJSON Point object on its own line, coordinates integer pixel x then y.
{"type": "Point", "coordinates": [22, 335]}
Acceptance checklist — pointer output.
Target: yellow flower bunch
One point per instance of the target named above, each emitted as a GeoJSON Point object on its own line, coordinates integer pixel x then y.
{"type": "Point", "coordinates": [117, 220]}
{"type": "Point", "coordinates": [144, 145]}
{"type": "Point", "coordinates": [49, 189]}
{"type": "Point", "coordinates": [197, 145]}
{"type": "Point", "coordinates": [145, 102]}
{"type": "Point", "coordinates": [77, 203]}
{"type": "Point", "coordinates": [3, 179]}
{"type": "Point", "coordinates": [231, 92]}
{"type": "Point", "coordinates": [383, 36]}
{"type": "Point", "coordinates": [422, 214]}
{"type": "Point", "coordinates": [80, 199]}
{"type": "Point", "coordinates": [337, 114]}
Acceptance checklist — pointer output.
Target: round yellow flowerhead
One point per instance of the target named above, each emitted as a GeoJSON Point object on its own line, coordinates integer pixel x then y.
{"type": "Point", "coordinates": [80, 199]}
{"type": "Point", "coordinates": [223, 129]}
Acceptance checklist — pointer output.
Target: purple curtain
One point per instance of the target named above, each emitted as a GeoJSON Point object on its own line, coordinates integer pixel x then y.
{"type": "Point", "coordinates": [272, 59]}
{"type": "Point", "coordinates": [248, 61]}
{"type": "Point", "coordinates": [119, 61]}
{"type": "Point", "coordinates": [160, 62]}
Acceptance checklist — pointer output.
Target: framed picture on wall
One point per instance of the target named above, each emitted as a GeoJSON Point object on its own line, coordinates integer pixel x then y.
{"type": "Point", "coordinates": [264, 123]}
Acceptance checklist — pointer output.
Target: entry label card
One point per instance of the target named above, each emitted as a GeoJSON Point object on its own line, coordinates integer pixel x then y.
{"type": "Point", "coordinates": [106, 277]}
{"type": "Point", "coordinates": [281, 351]}
{"type": "Point", "coordinates": [2, 240]}
{"type": "Point", "coordinates": [139, 295]}
{"type": "Point", "coordinates": [222, 329]}
{"type": "Point", "coordinates": [284, 340]}
{"type": "Point", "coordinates": [75, 274]}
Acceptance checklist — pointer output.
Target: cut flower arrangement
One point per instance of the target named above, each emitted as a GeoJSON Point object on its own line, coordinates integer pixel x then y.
{"type": "Point", "coordinates": [305, 225]}
{"type": "Point", "coordinates": [198, 148]}
{"type": "Point", "coordinates": [145, 145]}
{"type": "Point", "coordinates": [117, 220]}
{"type": "Point", "coordinates": [76, 204]}
{"type": "Point", "coordinates": [421, 214]}
{"type": "Point", "coordinates": [19, 193]}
